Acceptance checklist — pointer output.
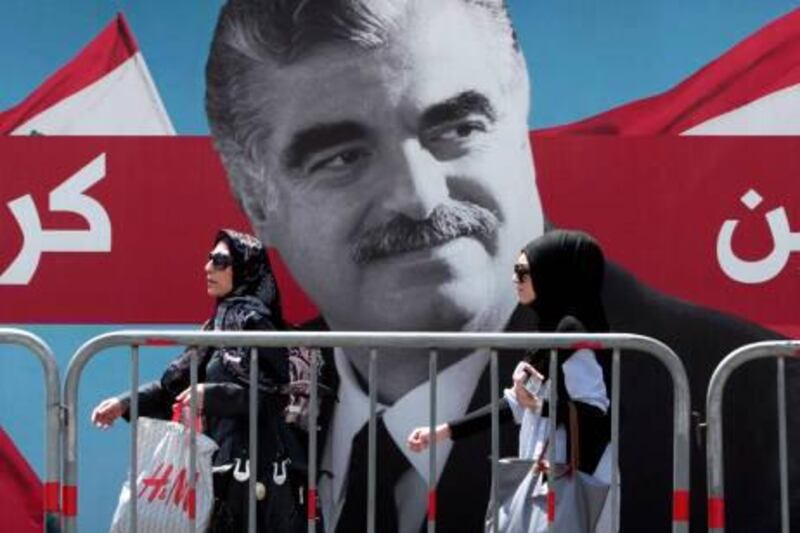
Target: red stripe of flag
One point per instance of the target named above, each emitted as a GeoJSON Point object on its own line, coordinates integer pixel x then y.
{"type": "Point", "coordinates": [20, 490]}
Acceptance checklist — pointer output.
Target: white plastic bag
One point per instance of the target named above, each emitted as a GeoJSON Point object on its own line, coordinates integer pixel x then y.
{"type": "Point", "coordinates": [165, 503]}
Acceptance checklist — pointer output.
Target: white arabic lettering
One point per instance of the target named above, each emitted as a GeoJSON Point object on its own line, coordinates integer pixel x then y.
{"type": "Point", "coordinates": [67, 197]}
{"type": "Point", "coordinates": [785, 242]}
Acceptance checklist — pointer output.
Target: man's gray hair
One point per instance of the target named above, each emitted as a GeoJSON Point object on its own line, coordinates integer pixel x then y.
{"type": "Point", "coordinates": [256, 35]}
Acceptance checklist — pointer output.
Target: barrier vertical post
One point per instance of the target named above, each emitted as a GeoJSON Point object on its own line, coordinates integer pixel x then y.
{"type": "Point", "coordinates": [783, 461]}
{"type": "Point", "coordinates": [53, 418]}
{"type": "Point", "coordinates": [252, 452]}
{"type": "Point", "coordinates": [372, 437]}
{"type": "Point", "coordinates": [551, 439]}
{"type": "Point", "coordinates": [134, 418]}
{"type": "Point", "coordinates": [615, 394]}
{"type": "Point", "coordinates": [313, 414]}
{"type": "Point", "coordinates": [495, 379]}
{"type": "Point", "coordinates": [432, 377]}
{"type": "Point", "coordinates": [714, 448]}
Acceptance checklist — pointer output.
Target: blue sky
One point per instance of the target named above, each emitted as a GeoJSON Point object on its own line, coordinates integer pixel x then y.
{"type": "Point", "coordinates": [586, 55]}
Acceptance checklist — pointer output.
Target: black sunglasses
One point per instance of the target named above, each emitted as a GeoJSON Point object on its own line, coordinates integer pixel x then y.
{"type": "Point", "coordinates": [220, 261]}
{"type": "Point", "coordinates": [521, 272]}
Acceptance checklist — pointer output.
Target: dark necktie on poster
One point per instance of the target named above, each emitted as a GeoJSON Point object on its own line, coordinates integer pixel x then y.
{"type": "Point", "coordinates": [391, 464]}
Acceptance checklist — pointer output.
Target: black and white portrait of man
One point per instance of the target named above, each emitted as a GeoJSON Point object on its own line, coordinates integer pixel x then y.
{"type": "Point", "coordinates": [381, 146]}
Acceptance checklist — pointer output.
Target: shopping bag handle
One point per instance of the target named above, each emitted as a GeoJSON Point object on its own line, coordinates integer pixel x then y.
{"type": "Point", "coordinates": [179, 416]}
{"type": "Point", "coordinates": [542, 465]}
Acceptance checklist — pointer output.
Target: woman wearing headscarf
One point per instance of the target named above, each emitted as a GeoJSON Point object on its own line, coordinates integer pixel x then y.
{"type": "Point", "coordinates": [559, 276]}
{"type": "Point", "coordinates": [239, 278]}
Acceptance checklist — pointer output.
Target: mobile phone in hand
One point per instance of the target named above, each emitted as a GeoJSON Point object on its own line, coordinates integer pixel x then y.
{"type": "Point", "coordinates": [533, 384]}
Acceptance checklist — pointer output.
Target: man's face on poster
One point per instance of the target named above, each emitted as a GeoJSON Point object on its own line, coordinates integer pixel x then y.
{"type": "Point", "coordinates": [400, 178]}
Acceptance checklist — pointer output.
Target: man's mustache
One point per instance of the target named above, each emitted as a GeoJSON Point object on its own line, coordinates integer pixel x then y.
{"type": "Point", "coordinates": [445, 223]}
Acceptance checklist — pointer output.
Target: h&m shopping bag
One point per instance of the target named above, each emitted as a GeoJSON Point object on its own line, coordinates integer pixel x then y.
{"type": "Point", "coordinates": [165, 502]}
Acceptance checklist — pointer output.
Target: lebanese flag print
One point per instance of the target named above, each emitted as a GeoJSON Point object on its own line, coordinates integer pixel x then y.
{"type": "Point", "coordinates": [753, 89]}
{"type": "Point", "coordinates": [105, 90]}
{"type": "Point", "coordinates": [713, 219]}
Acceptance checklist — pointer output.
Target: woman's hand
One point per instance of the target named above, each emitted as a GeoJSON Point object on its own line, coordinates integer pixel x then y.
{"type": "Point", "coordinates": [186, 399]}
{"type": "Point", "coordinates": [526, 399]}
{"type": "Point", "coordinates": [522, 373]}
{"type": "Point", "coordinates": [420, 438]}
{"type": "Point", "coordinates": [107, 412]}
{"type": "Point", "coordinates": [542, 465]}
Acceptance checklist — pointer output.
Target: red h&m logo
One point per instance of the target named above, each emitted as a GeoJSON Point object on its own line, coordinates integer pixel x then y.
{"type": "Point", "coordinates": [172, 490]}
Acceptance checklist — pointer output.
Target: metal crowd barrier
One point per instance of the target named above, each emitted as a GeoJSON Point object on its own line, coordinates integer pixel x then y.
{"type": "Point", "coordinates": [615, 342]}
{"type": "Point", "coordinates": [716, 388]}
{"type": "Point", "coordinates": [52, 415]}
{"type": "Point", "coordinates": [372, 341]}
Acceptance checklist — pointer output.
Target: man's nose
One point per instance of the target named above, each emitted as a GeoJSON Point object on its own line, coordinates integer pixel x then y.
{"type": "Point", "coordinates": [418, 181]}
{"type": "Point", "coordinates": [208, 267]}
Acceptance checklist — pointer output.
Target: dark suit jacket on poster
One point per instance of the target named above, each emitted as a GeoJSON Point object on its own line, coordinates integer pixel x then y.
{"type": "Point", "coordinates": [701, 338]}
{"type": "Point", "coordinates": [462, 492]}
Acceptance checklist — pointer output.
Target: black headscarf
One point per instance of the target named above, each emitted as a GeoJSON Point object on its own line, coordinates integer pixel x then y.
{"type": "Point", "coordinates": [567, 270]}
{"type": "Point", "coordinates": [254, 287]}
{"type": "Point", "coordinates": [253, 300]}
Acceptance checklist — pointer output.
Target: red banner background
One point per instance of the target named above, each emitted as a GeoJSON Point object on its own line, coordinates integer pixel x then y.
{"type": "Point", "coordinates": [655, 203]}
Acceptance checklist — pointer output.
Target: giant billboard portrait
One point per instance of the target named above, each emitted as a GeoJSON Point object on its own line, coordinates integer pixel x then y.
{"type": "Point", "coordinates": [383, 150]}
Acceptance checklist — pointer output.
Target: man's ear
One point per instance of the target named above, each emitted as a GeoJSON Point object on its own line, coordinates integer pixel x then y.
{"type": "Point", "coordinates": [256, 216]}
{"type": "Point", "coordinates": [250, 193]}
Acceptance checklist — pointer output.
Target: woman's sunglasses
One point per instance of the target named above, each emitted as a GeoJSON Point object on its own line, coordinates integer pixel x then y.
{"type": "Point", "coordinates": [220, 261]}
{"type": "Point", "coordinates": [521, 272]}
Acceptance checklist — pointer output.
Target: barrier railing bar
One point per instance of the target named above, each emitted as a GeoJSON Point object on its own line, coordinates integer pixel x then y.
{"type": "Point", "coordinates": [615, 395]}
{"type": "Point", "coordinates": [53, 417]}
{"type": "Point", "coordinates": [495, 394]}
{"type": "Point", "coordinates": [416, 340]}
{"type": "Point", "coordinates": [372, 434]}
{"type": "Point", "coordinates": [714, 449]}
{"type": "Point", "coordinates": [134, 417]}
{"type": "Point", "coordinates": [432, 379]}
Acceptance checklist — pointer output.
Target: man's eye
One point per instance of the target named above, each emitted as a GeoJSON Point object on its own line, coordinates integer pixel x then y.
{"type": "Point", "coordinates": [340, 160]}
{"type": "Point", "coordinates": [460, 131]}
